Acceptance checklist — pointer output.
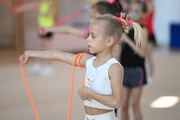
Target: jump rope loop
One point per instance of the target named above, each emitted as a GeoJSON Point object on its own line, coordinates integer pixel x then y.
{"type": "Point", "coordinates": [29, 93]}
{"type": "Point", "coordinates": [77, 57]}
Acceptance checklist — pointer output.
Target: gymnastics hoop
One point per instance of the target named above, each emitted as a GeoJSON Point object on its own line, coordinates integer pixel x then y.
{"type": "Point", "coordinates": [139, 11]}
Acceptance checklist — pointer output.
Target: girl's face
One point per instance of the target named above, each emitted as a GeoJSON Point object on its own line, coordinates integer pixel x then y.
{"type": "Point", "coordinates": [134, 9]}
{"type": "Point", "coordinates": [93, 14]}
{"type": "Point", "coordinates": [96, 40]}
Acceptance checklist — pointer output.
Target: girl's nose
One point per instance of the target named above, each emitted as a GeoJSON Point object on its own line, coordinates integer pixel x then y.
{"type": "Point", "coordinates": [88, 38]}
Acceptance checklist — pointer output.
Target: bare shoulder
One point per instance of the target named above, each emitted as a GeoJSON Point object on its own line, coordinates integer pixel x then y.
{"type": "Point", "coordinates": [116, 67]}
{"type": "Point", "coordinates": [145, 34]}
{"type": "Point", "coordinates": [116, 71]}
{"type": "Point", "coordinates": [145, 30]}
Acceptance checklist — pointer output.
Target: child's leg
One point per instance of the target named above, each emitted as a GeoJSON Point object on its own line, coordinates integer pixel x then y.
{"type": "Point", "coordinates": [136, 97]}
{"type": "Point", "coordinates": [47, 45]}
{"type": "Point", "coordinates": [150, 62]}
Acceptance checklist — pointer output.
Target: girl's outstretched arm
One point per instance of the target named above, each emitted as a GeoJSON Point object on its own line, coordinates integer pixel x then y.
{"type": "Point", "coordinates": [52, 55]}
{"type": "Point", "coordinates": [62, 29]}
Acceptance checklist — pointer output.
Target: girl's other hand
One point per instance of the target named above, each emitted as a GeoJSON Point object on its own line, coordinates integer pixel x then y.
{"type": "Point", "coordinates": [43, 30]}
{"type": "Point", "coordinates": [82, 92]}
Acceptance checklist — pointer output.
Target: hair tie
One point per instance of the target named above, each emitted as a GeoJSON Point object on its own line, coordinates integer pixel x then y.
{"type": "Point", "coordinates": [121, 19]}
{"type": "Point", "coordinates": [130, 22]}
{"type": "Point", "coordinates": [85, 33]}
{"type": "Point", "coordinates": [121, 15]}
{"type": "Point", "coordinates": [111, 1]}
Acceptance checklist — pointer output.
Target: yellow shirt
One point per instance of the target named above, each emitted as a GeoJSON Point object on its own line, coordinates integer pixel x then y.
{"type": "Point", "coordinates": [46, 15]}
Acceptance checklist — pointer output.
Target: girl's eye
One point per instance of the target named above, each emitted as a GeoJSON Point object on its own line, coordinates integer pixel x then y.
{"type": "Point", "coordinates": [92, 36]}
{"type": "Point", "coordinates": [88, 34]}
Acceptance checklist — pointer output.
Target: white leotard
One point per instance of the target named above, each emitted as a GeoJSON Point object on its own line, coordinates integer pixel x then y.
{"type": "Point", "coordinates": [97, 80]}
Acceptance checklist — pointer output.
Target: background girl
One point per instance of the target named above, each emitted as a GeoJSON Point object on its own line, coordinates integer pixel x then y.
{"type": "Point", "coordinates": [133, 60]}
{"type": "Point", "coordinates": [151, 39]}
{"type": "Point", "coordinates": [46, 17]}
{"type": "Point", "coordinates": [99, 8]}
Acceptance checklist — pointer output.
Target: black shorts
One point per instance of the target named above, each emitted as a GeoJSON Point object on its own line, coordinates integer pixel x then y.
{"type": "Point", "coordinates": [134, 77]}
{"type": "Point", "coordinates": [48, 36]}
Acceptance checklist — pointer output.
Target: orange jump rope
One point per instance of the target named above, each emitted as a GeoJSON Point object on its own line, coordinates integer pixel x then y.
{"type": "Point", "coordinates": [77, 57]}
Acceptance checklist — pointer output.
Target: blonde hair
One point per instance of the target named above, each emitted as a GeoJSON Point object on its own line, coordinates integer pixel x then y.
{"type": "Point", "coordinates": [115, 27]}
{"type": "Point", "coordinates": [137, 29]}
{"type": "Point", "coordinates": [112, 26]}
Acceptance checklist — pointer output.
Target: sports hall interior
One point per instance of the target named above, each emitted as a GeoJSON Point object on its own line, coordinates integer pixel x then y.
{"type": "Point", "coordinates": [18, 32]}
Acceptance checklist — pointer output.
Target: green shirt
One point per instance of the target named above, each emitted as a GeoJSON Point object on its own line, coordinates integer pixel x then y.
{"type": "Point", "coordinates": [46, 17]}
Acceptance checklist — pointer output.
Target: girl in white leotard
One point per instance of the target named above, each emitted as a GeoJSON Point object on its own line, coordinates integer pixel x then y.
{"type": "Point", "coordinates": [103, 88]}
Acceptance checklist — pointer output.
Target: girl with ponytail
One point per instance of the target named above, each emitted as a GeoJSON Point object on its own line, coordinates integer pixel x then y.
{"type": "Point", "coordinates": [132, 58]}
{"type": "Point", "coordinates": [103, 89]}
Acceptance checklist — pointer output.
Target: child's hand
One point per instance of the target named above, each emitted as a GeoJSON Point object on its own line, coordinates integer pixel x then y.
{"type": "Point", "coordinates": [24, 59]}
{"type": "Point", "coordinates": [82, 92]}
{"type": "Point", "coordinates": [43, 30]}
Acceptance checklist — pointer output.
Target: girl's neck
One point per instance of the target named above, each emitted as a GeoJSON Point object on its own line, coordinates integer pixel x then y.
{"type": "Point", "coordinates": [102, 57]}
{"type": "Point", "coordinates": [100, 61]}
{"type": "Point", "coordinates": [139, 21]}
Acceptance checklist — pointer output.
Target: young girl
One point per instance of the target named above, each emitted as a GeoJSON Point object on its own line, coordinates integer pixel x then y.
{"type": "Point", "coordinates": [112, 7]}
{"type": "Point", "coordinates": [103, 88]}
{"type": "Point", "coordinates": [99, 8]}
{"type": "Point", "coordinates": [133, 61]}
{"type": "Point", "coordinates": [148, 22]}
{"type": "Point", "coordinates": [46, 17]}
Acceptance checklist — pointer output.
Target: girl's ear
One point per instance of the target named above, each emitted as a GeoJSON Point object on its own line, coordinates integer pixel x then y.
{"type": "Point", "coordinates": [110, 41]}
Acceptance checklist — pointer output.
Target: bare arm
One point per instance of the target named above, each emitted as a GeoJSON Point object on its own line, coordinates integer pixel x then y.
{"type": "Point", "coordinates": [141, 51]}
{"type": "Point", "coordinates": [115, 99]}
{"type": "Point", "coordinates": [27, 7]}
{"type": "Point", "coordinates": [52, 55]}
{"type": "Point", "coordinates": [63, 29]}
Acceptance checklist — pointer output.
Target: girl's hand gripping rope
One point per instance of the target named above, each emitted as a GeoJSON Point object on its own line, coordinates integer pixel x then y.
{"type": "Point", "coordinates": [24, 59]}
